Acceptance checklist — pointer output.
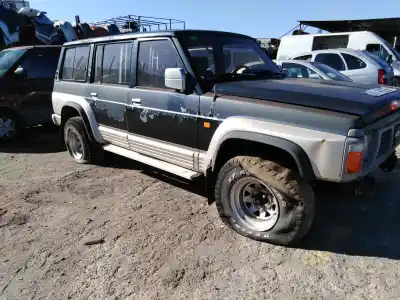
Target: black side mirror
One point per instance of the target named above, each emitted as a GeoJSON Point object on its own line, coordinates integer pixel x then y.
{"type": "Point", "coordinates": [389, 59]}
{"type": "Point", "coordinates": [20, 72]}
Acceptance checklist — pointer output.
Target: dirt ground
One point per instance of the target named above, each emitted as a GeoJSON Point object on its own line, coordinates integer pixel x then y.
{"type": "Point", "coordinates": [124, 231]}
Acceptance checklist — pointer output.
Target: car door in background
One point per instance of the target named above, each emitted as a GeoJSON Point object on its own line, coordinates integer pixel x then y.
{"type": "Point", "coordinates": [33, 91]}
{"type": "Point", "coordinates": [333, 60]}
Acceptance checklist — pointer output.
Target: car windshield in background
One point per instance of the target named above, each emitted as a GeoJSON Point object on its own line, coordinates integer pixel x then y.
{"type": "Point", "coordinates": [215, 55]}
{"type": "Point", "coordinates": [395, 52]}
{"type": "Point", "coordinates": [331, 72]}
{"type": "Point", "coordinates": [8, 59]}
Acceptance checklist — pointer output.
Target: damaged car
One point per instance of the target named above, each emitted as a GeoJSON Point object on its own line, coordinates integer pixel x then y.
{"type": "Point", "coordinates": [209, 104]}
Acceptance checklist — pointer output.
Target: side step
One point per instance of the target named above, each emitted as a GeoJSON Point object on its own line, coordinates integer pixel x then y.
{"type": "Point", "coordinates": [162, 165]}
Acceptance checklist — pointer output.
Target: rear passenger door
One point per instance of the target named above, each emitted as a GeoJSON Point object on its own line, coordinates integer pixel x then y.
{"type": "Point", "coordinates": [108, 88]}
{"type": "Point", "coordinates": [357, 70]}
{"type": "Point", "coordinates": [333, 60]}
{"type": "Point", "coordinates": [162, 122]}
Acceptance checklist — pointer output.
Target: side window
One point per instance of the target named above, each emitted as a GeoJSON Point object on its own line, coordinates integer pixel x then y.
{"type": "Point", "coordinates": [98, 64]}
{"type": "Point", "coordinates": [353, 63]}
{"type": "Point", "coordinates": [378, 50]}
{"type": "Point", "coordinates": [40, 65]}
{"type": "Point", "coordinates": [331, 59]}
{"type": "Point", "coordinates": [330, 42]}
{"type": "Point", "coordinates": [75, 64]}
{"type": "Point", "coordinates": [154, 57]}
{"type": "Point", "coordinates": [293, 70]}
{"type": "Point", "coordinates": [304, 57]}
{"type": "Point", "coordinates": [116, 67]}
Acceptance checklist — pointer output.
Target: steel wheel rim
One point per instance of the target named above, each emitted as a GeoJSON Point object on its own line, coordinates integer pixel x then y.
{"type": "Point", "coordinates": [74, 144]}
{"type": "Point", "coordinates": [255, 204]}
{"type": "Point", "coordinates": [7, 128]}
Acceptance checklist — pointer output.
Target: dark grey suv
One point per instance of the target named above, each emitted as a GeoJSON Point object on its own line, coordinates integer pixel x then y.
{"type": "Point", "coordinates": [212, 104]}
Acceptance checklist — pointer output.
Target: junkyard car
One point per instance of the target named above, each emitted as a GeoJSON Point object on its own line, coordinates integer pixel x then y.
{"type": "Point", "coordinates": [26, 84]}
{"type": "Point", "coordinates": [259, 140]}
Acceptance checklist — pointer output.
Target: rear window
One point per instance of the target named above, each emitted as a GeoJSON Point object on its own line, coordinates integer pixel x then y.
{"type": "Point", "coordinates": [75, 64]}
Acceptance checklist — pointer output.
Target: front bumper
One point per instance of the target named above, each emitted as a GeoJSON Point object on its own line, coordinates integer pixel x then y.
{"type": "Point", "coordinates": [56, 119]}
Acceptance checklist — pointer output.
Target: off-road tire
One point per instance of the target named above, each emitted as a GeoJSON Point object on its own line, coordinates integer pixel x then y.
{"type": "Point", "coordinates": [77, 126]}
{"type": "Point", "coordinates": [294, 196]}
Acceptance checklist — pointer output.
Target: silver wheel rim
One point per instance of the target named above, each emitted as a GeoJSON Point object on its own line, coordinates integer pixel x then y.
{"type": "Point", "coordinates": [74, 144]}
{"type": "Point", "coordinates": [255, 204]}
{"type": "Point", "coordinates": [7, 128]}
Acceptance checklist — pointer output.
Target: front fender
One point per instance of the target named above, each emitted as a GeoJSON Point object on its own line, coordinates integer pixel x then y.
{"type": "Point", "coordinates": [318, 154]}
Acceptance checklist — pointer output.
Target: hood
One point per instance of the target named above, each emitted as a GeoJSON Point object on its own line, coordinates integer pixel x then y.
{"type": "Point", "coordinates": [339, 96]}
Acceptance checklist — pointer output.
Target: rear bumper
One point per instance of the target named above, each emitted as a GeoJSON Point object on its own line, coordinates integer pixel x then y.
{"type": "Point", "coordinates": [56, 119]}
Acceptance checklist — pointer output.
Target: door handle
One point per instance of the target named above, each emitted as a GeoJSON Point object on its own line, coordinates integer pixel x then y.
{"type": "Point", "coordinates": [93, 94]}
{"type": "Point", "coordinates": [136, 101]}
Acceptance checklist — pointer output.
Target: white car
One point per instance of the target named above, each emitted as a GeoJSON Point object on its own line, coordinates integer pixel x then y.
{"type": "Point", "coordinates": [309, 69]}
{"type": "Point", "coordinates": [359, 65]}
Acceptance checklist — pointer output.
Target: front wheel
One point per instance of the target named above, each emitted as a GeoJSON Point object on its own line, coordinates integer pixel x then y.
{"type": "Point", "coordinates": [264, 201]}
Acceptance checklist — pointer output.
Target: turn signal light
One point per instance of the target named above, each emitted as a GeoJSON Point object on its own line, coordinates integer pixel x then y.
{"type": "Point", "coordinates": [354, 158]}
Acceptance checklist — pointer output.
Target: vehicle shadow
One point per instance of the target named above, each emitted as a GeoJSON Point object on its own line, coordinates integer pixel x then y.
{"type": "Point", "coordinates": [39, 139]}
{"type": "Point", "coordinates": [344, 223]}
{"type": "Point", "coordinates": [359, 226]}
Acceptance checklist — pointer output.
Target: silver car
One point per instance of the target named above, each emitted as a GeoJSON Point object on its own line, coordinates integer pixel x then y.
{"type": "Point", "coordinates": [309, 69]}
{"type": "Point", "coordinates": [359, 65]}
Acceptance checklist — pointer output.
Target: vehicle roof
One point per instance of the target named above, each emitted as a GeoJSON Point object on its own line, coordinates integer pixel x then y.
{"type": "Point", "coordinates": [33, 46]}
{"type": "Point", "coordinates": [335, 50]}
{"type": "Point", "coordinates": [126, 36]}
{"type": "Point", "coordinates": [329, 33]}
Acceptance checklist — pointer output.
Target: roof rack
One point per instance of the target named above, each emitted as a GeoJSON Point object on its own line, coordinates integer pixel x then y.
{"type": "Point", "coordinates": [133, 23]}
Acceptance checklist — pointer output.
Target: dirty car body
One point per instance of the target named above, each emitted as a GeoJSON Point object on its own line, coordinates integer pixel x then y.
{"type": "Point", "coordinates": [186, 102]}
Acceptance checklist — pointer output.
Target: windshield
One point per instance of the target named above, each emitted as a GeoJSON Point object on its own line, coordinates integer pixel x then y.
{"type": "Point", "coordinates": [215, 55]}
{"type": "Point", "coordinates": [8, 58]}
{"type": "Point", "coordinates": [395, 53]}
{"type": "Point", "coordinates": [331, 72]}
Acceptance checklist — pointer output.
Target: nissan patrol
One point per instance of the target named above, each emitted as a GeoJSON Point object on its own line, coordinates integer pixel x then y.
{"type": "Point", "coordinates": [206, 103]}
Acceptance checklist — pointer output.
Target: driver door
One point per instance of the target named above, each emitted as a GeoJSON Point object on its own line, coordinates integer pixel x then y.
{"type": "Point", "coordinates": [162, 123]}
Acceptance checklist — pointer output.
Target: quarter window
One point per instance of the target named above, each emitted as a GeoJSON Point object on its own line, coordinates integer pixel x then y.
{"type": "Point", "coordinates": [331, 59]}
{"type": "Point", "coordinates": [154, 58]}
{"type": "Point", "coordinates": [116, 67]}
{"type": "Point", "coordinates": [304, 57]}
{"type": "Point", "coordinates": [76, 64]}
{"type": "Point", "coordinates": [353, 63]}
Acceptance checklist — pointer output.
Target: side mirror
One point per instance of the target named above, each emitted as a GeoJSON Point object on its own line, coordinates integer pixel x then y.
{"type": "Point", "coordinates": [20, 72]}
{"type": "Point", "coordinates": [175, 78]}
{"type": "Point", "coordinates": [389, 59]}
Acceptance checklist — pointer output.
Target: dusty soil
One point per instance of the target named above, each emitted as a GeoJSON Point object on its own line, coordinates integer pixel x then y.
{"type": "Point", "coordinates": [123, 231]}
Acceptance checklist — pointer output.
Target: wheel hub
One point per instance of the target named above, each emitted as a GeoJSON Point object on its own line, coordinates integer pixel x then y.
{"type": "Point", "coordinates": [255, 204]}
{"type": "Point", "coordinates": [74, 144]}
{"type": "Point", "coordinates": [7, 128]}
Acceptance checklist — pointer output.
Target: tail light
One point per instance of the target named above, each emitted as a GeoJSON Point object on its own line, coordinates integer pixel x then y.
{"type": "Point", "coordinates": [355, 157]}
{"type": "Point", "coordinates": [382, 76]}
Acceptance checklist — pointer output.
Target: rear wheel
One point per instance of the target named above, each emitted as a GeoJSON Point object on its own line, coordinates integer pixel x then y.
{"type": "Point", "coordinates": [264, 201]}
{"type": "Point", "coordinates": [77, 141]}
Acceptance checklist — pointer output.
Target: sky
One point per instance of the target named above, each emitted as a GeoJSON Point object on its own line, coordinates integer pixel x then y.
{"type": "Point", "coordinates": [257, 18]}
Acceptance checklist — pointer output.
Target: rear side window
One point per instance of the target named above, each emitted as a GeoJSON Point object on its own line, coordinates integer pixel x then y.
{"type": "Point", "coordinates": [39, 65]}
{"type": "Point", "coordinates": [154, 58]}
{"type": "Point", "coordinates": [116, 67]}
{"type": "Point", "coordinates": [75, 64]}
{"type": "Point", "coordinates": [331, 59]}
{"type": "Point", "coordinates": [304, 57]}
{"type": "Point", "coordinates": [353, 63]}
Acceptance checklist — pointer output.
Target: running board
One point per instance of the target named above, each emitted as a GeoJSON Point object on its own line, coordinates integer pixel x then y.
{"type": "Point", "coordinates": [162, 165]}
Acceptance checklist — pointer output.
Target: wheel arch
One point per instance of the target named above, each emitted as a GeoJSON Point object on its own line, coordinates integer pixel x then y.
{"type": "Point", "coordinates": [283, 150]}
{"type": "Point", "coordinates": [73, 109]}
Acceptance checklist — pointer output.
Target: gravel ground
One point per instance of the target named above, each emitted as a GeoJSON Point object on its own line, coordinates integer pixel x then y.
{"type": "Point", "coordinates": [124, 231]}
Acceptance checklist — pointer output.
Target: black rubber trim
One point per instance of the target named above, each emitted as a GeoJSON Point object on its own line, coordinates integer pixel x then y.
{"type": "Point", "coordinates": [83, 115]}
{"type": "Point", "coordinates": [299, 155]}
